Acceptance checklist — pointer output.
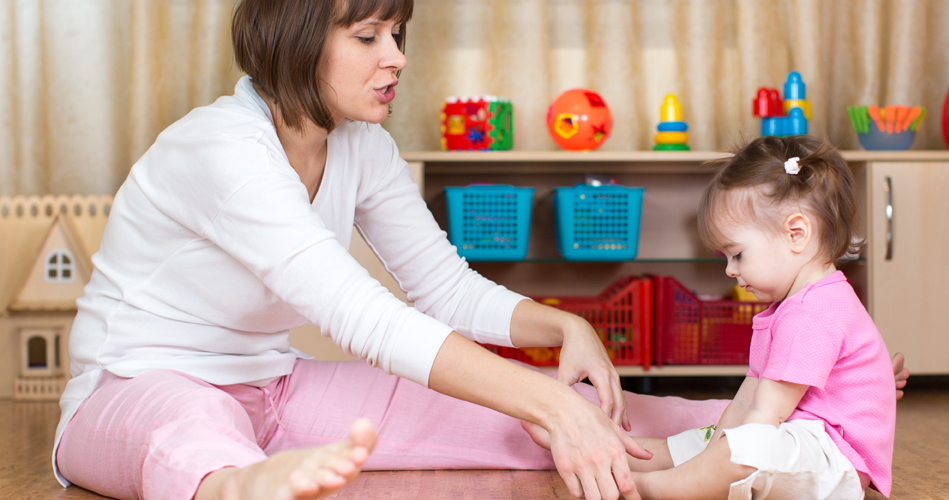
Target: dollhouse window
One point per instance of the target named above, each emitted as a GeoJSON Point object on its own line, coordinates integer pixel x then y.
{"type": "Point", "coordinates": [60, 267]}
{"type": "Point", "coordinates": [40, 352]}
{"type": "Point", "coordinates": [36, 353]}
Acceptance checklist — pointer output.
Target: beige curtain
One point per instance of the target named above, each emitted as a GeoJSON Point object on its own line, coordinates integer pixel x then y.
{"type": "Point", "coordinates": [86, 85]}
{"type": "Point", "coordinates": [713, 54]}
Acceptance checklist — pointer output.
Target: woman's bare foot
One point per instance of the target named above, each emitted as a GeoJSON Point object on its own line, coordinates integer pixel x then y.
{"type": "Point", "coordinates": [295, 474]}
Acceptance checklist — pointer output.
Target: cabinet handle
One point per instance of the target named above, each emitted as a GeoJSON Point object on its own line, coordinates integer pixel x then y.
{"type": "Point", "coordinates": [888, 190]}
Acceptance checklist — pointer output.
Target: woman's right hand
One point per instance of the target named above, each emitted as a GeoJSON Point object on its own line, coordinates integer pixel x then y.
{"type": "Point", "coordinates": [590, 452]}
{"type": "Point", "coordinates": [589, 449]}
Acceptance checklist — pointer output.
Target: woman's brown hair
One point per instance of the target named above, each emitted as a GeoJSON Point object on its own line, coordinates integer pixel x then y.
{"type": "Point", "coordinates": [753, 186]}
{"type": "Point", "coordinates": [280, 44]}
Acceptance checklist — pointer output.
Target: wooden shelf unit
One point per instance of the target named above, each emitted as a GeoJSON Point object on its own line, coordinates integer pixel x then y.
{"type": "Point", "coordinates": [669, 243]}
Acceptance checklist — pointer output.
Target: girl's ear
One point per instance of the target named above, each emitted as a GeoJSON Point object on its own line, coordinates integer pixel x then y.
{"type": "Point", "coordinates": [798, 229]}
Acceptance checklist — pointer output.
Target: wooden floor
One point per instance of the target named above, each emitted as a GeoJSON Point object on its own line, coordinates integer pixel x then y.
{"type": "Point", "coordinates": [920, 471]}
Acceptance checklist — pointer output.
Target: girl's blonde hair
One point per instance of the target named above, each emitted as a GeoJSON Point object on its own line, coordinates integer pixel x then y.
{"type": "Point", "coordinates": [753, 186]}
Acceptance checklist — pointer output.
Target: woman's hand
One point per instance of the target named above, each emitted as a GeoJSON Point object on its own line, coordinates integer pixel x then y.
{"type": "Point", "coordinates": [588, 448]}
{"type": "Point", "coordinates": [584, 356]}
{"type": "Point", "coordinates": [590, 452]}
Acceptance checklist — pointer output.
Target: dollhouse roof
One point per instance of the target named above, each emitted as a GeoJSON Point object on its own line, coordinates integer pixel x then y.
{"type": "Point", "coordinates": [30, 230]}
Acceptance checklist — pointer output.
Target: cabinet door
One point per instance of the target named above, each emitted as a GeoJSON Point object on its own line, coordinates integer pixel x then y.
{"type": "Point", "coordinates": [908, 252]}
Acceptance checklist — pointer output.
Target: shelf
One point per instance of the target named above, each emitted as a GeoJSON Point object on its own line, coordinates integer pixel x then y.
{"type": "Point", "coordinates": [558, 260]}
{"type": "Point", "coordinates": [640, 156]}
{"type": "Point", "coordinates": [562, 156]}
{"type": "Point", "coordinates": [610, 162]}
{"type": "Point", "coordinates": [634, 261]}
{"type": "Point", "coordinates": [673, 370]}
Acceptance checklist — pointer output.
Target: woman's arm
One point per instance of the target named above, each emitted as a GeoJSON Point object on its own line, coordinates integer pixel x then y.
{"type": "Point", "coordinates": [583, 354]}
{"type": "Point", "coordinates": [588, 449]}
{"type": "Point", "coordinates": [736, 410]}
{"type": "Point", "coordinates": [401, 230]}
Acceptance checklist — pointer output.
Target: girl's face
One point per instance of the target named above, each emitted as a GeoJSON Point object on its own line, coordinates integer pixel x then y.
{"type": "Point", "coordinates": [359, 73]}
{"type": "Point", "coordinates": [763, 263]}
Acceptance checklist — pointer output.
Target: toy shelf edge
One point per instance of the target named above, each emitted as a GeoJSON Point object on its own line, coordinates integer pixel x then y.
{"type": "Point", "coordinates": [674, 370]}
{"type": "Point", "coordinates": [640, 156]}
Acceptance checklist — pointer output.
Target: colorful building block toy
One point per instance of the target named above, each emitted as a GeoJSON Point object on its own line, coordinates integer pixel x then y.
{"type": "Point", "coordinates": [787, 116]}
{"type": "Point", "coordinates": [478, 123]}
{"type": "Point", "coordinates": [672, 134]}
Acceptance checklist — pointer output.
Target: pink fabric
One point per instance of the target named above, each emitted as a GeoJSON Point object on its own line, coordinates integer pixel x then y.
{"type": "Point", "coordinates": [157, 435]}
{"type": "Point", "coordinates": [823, 337]}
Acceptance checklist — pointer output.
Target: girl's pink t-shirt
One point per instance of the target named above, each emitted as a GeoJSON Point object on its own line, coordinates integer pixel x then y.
{"type": "Point", "coordinates": [823, 337]}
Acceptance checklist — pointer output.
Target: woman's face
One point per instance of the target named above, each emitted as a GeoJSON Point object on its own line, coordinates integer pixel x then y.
{"type": "Point", "coordinates": [359, 73]}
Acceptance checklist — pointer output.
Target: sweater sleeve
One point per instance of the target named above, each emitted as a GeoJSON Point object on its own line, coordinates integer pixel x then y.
{"type": "Point", "coordinates": [398, 226]}
{"type": "Point", "coordinates": [262, 217]}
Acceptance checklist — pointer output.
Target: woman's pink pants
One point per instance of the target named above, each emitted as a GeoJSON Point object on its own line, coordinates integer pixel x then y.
{"type": "Point", "coordinates": [156, 436]}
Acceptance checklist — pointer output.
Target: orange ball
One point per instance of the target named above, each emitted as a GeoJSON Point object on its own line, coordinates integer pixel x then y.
{"type": "Point", "coordinates": [579, 120]}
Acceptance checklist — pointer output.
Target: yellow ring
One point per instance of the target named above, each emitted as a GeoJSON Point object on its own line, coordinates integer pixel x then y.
{"type": "Point", "coordinates": [672, 138]}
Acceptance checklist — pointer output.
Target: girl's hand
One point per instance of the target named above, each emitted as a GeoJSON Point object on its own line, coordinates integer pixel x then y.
{"type": "Point", "coordinates": [590, 452]}
{"type": "Point", "coordinates": [900, 374]}
{"type": "Point", "coordinates": [584, 356]}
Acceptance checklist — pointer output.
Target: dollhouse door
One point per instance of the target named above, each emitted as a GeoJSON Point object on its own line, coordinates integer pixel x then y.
{"type": "Point", "coordinates": [908, 261]}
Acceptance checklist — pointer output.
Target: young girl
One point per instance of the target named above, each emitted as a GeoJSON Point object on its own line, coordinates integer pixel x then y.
{"type": "Point", "coordinates": [816, 413]}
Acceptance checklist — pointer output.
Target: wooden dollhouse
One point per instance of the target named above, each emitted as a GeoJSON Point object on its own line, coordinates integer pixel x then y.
{"type": "Point", "coordinates": [44, 264]}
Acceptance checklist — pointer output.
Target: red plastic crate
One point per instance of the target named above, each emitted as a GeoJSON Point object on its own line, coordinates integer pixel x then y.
{"type": "Point", "coordinates": [621, 315]}
{"type": "Point", "coordinates": [690, 331]}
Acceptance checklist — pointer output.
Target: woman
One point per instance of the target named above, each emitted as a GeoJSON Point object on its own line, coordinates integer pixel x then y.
{"type": "Point", "coordinates": [233, 229]}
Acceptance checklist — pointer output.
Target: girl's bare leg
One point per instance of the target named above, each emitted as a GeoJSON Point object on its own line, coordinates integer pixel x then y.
{"type": "Point", "coordinates": [708, 475]}
{"type": "Point", "coordinates": [295, 474]}
{"type": "Point", "coordinates": [661, 458]}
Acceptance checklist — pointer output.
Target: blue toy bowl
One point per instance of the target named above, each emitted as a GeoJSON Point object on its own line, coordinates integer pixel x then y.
{"type": "Point", "coordinates": [877, 140]}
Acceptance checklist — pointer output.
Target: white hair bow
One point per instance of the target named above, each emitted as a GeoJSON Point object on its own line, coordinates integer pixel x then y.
{"type": "Point", "coordinates": [791, 166]}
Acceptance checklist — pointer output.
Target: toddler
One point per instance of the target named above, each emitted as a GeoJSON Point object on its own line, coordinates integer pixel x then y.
{"type": "Point", "coordinates": [815, 416]}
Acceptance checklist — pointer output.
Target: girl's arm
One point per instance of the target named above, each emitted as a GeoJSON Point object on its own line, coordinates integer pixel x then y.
{"type": "Point", "coordinates": [736, 410]}
{"type": "Point", "coordinates": [589, 449]}
{"type": "Point", "coordinates": [774, 401]}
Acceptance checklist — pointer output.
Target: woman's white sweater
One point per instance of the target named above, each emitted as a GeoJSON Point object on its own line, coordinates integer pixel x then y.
{"type": "Point", "coordinates": [213, 252]}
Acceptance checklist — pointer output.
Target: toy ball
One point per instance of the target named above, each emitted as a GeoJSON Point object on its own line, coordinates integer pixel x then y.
{"type": "Point", "coordinates": [579, 120]}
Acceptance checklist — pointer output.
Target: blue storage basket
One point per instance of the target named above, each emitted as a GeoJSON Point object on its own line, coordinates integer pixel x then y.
{"type": "Point", "coordinates": [598, 222]}
{"type": "Point", "coordinates": [490, 222]}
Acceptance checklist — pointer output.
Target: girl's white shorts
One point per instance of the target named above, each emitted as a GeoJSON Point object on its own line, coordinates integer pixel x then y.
{"type": "Point", "coordinates": [795, 461]}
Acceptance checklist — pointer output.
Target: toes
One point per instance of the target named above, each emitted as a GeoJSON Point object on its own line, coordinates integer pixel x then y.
{"type": "Point", "coordinates": [325, 471]}
{"type": "Point", "coordinates": [321, 483]}
{"type": "Point", "coordinates": [363, 434]}
{"type": "Point", "coordinates": [304, 487]}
